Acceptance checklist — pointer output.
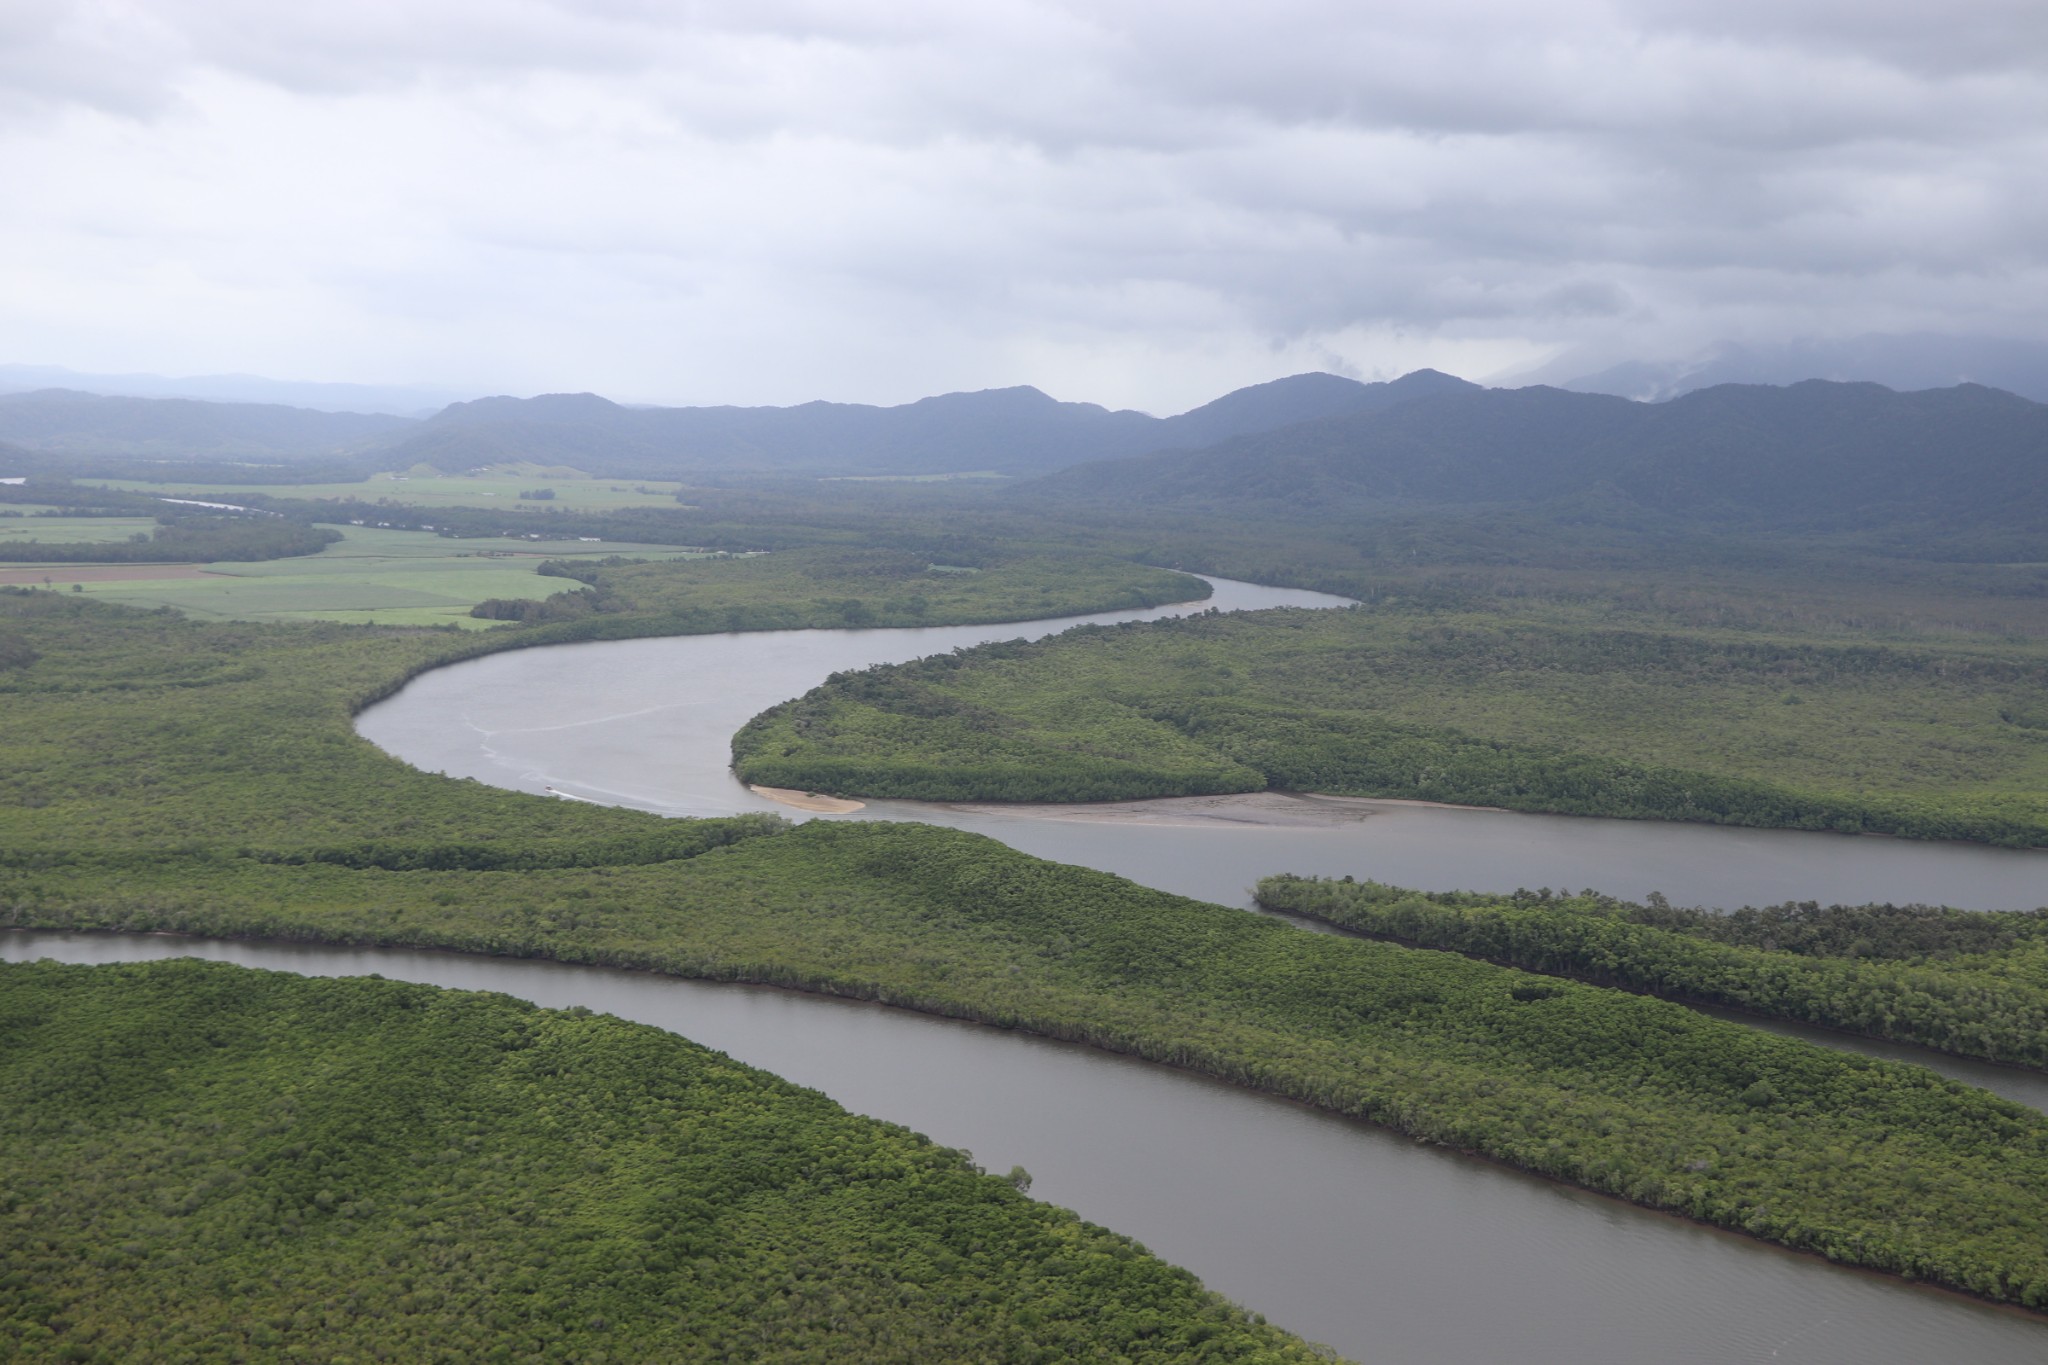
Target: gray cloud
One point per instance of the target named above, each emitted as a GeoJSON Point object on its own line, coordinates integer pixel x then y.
{"type": "Point", "coordinates": [1127, 200]}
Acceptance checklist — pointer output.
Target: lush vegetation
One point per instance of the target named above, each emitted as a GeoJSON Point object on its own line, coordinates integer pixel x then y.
{"type": "Point", "coordinates": [501, 486]}
{"type": "Point", "coordinates": [1529, 711]}
{"type": "Point", "coordinates": [1869, 1162]}
{"type": "Point", "coordinates": [140, 732]}
{"type": "Point", "coordinates": [208, 1163]}
{"type": "Point", "coordinates": [182, 535]}
{"type": "Point", "coordinates": [835, 587]}
{"type": "Point", "coordinates": [368, 577]}
{"type": "Point", "coordinates": [1968, 982]}
{"type": "Point", "coordinates": [177, 775]}
{"type": "Point", "coordinates": [186, 540]}
{"type": "Point", "coordinates": [135, 733]}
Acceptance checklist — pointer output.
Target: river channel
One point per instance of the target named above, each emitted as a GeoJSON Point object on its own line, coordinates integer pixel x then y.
{"type": "Point", "coordinates": [649, 724]}
{"type": "Point", "coordinates": [1391, 1252]}
{"type": "Point", "coordinates": [1386, 1250]}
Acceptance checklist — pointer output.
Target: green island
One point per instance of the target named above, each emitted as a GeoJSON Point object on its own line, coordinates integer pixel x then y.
{"type": "Point", "coordinates": [1523, 705]}
{"type": "Point", "coordinates": [202, 777]}
{"type": "Point", "coordinates": [1964, 981]}
{"type": "Point", "coordinates": [210, 1163]}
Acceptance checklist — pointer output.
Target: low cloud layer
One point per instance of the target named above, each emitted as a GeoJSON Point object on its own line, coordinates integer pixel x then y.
{"type": "Point", "coordinates": [1137, 203]}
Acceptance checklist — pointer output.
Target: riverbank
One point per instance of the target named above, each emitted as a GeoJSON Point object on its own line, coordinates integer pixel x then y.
{"type": "Point", "coordinates": [810, 801]}
{"type": "Point", "coordinates": [1621, 1094]}
{"type": "Point", "coordinates": [741, 1215]}
{"type": "Point", "coordinates": [248, 726]}
{"type": "Point", "coordinates": [1344, 1232]}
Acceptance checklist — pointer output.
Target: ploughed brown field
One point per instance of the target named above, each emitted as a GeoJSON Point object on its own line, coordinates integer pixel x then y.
{"type": "Point", "coordinates": [99, 573]}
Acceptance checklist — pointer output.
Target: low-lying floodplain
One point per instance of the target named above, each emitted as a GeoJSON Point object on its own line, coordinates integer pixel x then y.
{"type": "Point", "coordinates": [202, 778]}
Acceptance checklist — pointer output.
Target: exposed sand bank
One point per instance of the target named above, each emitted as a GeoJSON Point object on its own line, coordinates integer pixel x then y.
{"type": "Point", "coordinates": [811, 801]}
{"type": "Point", "coordinates": [1268, 809]}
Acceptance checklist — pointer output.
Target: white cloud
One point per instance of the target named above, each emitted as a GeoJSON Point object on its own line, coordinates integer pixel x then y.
{"type": "Point", "coordinates": [1137, 203]}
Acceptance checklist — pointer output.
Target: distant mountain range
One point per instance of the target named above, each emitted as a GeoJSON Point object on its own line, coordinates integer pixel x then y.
{"type": "Point", "coordinates": [397, 400]}
{"type": "Point", "coordinates": [1017, 431]}
{"type": "Point", "coordinates": [1816, 455]}
{"type": "Point", "coordinates": [68, 422]}
{"type": "Point", "coordinates": [1910, 361]}
{"type": "Point", "coordinates": [1007, 431]}
{"type": "Point", "coordinates": [1811, 456]}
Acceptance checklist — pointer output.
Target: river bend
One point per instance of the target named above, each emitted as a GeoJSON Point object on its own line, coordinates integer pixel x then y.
{"type": "Point", "coordinates": [1345, 1233]}
{"type": "Point", "coordinates": [1392, 1252]}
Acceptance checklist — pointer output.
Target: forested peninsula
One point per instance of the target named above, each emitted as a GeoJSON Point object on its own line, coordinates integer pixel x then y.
{"type": "Point", "coordinates": [1964, 981]}
{"type": "Point", "coordinates": [203, 778]}
{"type": "Point", "coordinates": [208, 1163]}
{"type": "Point", "coordinates": [1522, 708]}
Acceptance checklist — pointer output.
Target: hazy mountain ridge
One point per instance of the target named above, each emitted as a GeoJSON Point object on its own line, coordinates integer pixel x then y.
{"type": "Point", "coordinates": [1814, 455]}
{"type": "Point", "coordinates": [1000, 429]}
{"type": "Point", "coordinates": [1013, 431]}
{"type": "Point", "coordinates": [65, 420]}
{"type": "Point", "coordinates": [394, 400]}
{"type": "Point", "coordinates": [1018, 431]}
{"type": "Point", "coordinates": [1904, 362]}
{"type": "Point", "coordinates": [1298, 398]}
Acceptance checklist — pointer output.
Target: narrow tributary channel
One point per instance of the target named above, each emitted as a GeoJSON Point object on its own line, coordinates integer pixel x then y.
{"type": "Point", "coordinates": [1347, 1234]}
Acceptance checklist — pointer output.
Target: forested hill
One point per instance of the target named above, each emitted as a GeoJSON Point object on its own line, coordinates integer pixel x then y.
{"type": "Point", "coordinates": [1299, 398]}
{"type": "Point", "coordinates": [1012, 431]}
{"type": "Point", "coordinates": [1815, 455]}
{"type": "Point", "coordinates": [1015, 431]}
{"type": "Point", "coordinates": [64, 420]}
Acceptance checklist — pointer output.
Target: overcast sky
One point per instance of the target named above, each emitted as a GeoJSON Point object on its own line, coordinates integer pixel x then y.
{"type": "Point", "coordinates": [1139, 204]}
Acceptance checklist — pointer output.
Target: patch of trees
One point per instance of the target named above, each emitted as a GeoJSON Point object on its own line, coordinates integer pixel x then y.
{"type": "Point", "coordinates": [563, 606]}
{"type": "Point", "coordinates": [829, 587]}
{"type": "Point", "coordinates": [184, 534]}
{"type": "Point", "coordinates": [188, 540]}
{"type": "Point", "coordinates": [1974, 983]}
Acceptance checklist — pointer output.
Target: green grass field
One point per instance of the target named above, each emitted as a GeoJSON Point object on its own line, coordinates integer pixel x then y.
{"type": "Point", "coordinates": [396, 578]}
{"type": "Point", "coordinates": [71, 530]}
{"type": "Point", "coordinates": [497, 486]}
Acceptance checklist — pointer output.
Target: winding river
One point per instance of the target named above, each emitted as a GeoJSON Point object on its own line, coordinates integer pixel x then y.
{"type": "Point", "coordinates": [1347, 1234]}
{"type": "Point", "coordinates": [649, 724]}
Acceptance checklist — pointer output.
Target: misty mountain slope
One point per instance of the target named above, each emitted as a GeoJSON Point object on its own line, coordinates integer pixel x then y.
{"type": "Point", "coordinates": [1298, 398]}
{"type": "Point", "coordinates": [1009, 430]}
{"type": "Point", "coordinates": [1905, 362]}
{"type": "Point", "coordinates": [1483, 445]}
{"type": "Point", "coordinates": [64, 420]}
{"type": "Point", "coordinates": [1815, 455]}
{"type": "Point", "coordinates": [16, 463]}
{"type": "Point", "coordinates": [401, 400]}
{"type": "Point", "coordinates": [1018, 431]}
